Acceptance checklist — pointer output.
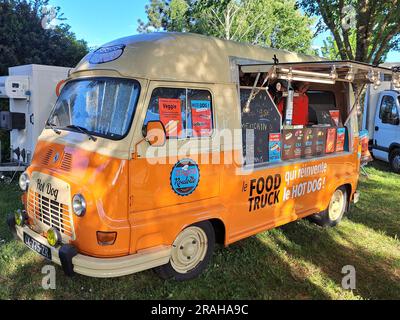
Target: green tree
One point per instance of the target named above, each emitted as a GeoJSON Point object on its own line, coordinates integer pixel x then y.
{"type": "Point", "coordinates": [262, 22]}
{"type": "Point", "coordinates": [363, 30]}
{"type": "Point", "coordinates": [23, 40]}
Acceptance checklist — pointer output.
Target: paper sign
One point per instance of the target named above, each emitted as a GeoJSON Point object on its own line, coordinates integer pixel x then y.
{"type": "Point", "coordinates": [201, 118]}
{"type": "Point", "coordinates": [335, 115]}
{"type": "Point", "coordinates": [341, 138]}
{"type": "Point", "coordinates": [275, 147]}
{"type": "Point", "coordinates": [171, 116]}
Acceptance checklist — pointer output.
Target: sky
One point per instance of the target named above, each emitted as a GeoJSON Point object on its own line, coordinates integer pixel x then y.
{"type": "Point", "coordinates": [100, 21]}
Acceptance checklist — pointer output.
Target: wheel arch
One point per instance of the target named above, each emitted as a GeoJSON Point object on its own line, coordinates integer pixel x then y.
{"type": "Point", "coordinates": [394, 146]}
{"type": "Point", "coordinates": [220, 230]}
{"type": "Point", "coordinates": [349, 190]}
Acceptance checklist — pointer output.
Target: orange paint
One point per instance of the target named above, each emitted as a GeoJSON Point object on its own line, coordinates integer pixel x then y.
{"type": "Point", "coordinates": [135, 198]}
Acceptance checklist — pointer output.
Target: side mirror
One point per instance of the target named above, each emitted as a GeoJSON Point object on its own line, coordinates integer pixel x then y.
{"type": "Point", "coordinates": [155, 134]}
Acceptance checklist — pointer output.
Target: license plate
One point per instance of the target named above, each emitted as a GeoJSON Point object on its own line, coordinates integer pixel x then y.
{"type": "Point", "coordinates": [37, 246]}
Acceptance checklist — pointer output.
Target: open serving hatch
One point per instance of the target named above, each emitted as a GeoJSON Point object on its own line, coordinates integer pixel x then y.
{"type": "Point", "coordinates": [260, 76]}
{"type": "Point", "coordinates": [327, 72]}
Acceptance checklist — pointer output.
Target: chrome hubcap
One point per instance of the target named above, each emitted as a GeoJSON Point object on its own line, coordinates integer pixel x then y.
{"type": "Point", "coordinates": [189, 249]}
{"type": "Point", "coordinates": [337, 205]}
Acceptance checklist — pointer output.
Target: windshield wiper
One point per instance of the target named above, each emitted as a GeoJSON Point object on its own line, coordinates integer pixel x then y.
{"type": "Point", "coordinates": [53, 127]}
{"type": "Point", "coordinates": [84, 131]}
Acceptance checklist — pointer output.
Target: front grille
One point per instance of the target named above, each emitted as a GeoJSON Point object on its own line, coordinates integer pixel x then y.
{"type": "Point", "coordinates": [50, 213]}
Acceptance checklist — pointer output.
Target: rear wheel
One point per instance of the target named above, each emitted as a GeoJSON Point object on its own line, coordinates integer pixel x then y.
{"type": "Point", "coordinates": [394, 160]}
{"type": "Point", "coordinates": [332, 216]}
{"type": "Point", "coordinates": [191, 252]}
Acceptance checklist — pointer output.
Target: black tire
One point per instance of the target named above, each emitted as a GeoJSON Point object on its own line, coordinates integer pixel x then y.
{"type": "Point", "coordinates": [169, 271]}
{"type": "Point", "coordinates": [329, 219]}
{"type": "Point", "coordinates": [394, 160]}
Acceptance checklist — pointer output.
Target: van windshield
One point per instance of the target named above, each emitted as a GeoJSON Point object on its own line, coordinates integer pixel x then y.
{"type": "Point", "coordinates": [101, 106]}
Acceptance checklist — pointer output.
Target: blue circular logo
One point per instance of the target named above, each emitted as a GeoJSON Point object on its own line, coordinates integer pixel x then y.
{"type": "Point", "coordinates": [185, 177]}
{"type": "Point", "coordinates": [56, 158]}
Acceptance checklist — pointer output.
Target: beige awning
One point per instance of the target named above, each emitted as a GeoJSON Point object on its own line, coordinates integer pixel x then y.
{"type": "Point", "coordinates": [325, 72]}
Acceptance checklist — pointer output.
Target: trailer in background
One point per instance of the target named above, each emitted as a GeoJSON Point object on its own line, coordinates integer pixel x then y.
{"type": "Point", "coordinates": [31, 90]}
{"type": "Point", "coordinates": [382, 119]}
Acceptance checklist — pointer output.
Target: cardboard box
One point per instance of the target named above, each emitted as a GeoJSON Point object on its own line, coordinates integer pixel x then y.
{"type": "Point", "coordinates": [309, 143]}
{"type": "Point", "coordinates": [330, 140]}
{"type": "Point", "coordinates": [341, 139]}
{"type": "Point", "coordinates": [293, 142]}
{"type": "Point", "coordinates": [319, 141]}
{"type": "Point", "coordinates": [275, 147]}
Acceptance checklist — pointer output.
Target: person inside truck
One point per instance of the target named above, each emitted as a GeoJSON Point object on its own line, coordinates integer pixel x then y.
{"type": "Point", "coordinates": [300, 104]}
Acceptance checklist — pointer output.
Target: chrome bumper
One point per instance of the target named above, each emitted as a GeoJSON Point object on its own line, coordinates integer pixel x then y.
{"type": "Point", "coordinates": [102, 267]}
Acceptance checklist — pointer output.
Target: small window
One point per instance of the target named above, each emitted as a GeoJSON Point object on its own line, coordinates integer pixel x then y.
{"type": "Point", "coordinates": [185, 113]}
{"type": "Point", "coordinates": [388, 112]}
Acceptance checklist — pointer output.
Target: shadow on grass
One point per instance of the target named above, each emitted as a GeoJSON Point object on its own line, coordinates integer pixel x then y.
{"type": "Point", "coordinates": [248, 270]}
{"type": "Point", "coordinates": [376, 275]}
{"type": "Point", "coordinates": [264, 267]}
{"type": "Point", "coordinates": [380, 202]}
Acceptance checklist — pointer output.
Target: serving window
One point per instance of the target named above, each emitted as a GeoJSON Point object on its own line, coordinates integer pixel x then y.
{"type": "Point", "coordinates": [185, 113]}
{"type": "Point", "coordinates": [292, 120]}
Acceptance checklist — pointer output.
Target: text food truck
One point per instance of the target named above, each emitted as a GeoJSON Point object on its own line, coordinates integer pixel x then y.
{"type": "Point", "coordinates": [162, 145]}
{"type": "Point", "coordinates": [382, 118]}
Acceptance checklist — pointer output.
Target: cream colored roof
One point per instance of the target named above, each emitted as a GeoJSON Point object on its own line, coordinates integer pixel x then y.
{"type": "Point", "coordinates": [184, 57]}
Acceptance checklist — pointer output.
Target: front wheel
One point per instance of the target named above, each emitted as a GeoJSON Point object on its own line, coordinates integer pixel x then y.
{"type": "Point", "coordinates": [394, 159]}
{"type": "Point", "coordinates": [191, 252]}
{"type": "Point", "coordinates": [332, 216]}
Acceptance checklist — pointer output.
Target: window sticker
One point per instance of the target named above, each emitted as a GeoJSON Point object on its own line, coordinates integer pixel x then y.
{"type": "Point", "coordinates": [185, 177]}
{"type": "Point", "coordinates": [171, 116]}
{"type": "Point", "coordinates": [201, 118]}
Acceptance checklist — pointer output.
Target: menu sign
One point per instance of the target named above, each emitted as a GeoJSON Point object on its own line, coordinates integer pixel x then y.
{"type": "Point", "coordinates": [341, 138]}
{"type": "Point", "coordinates": [171, 116]}
{"type": "Point", "coordinates": [331, 140]}
{"type": "Point", "coordinates": [201, 118]}
{"type": "Point", "coordinates": [292, 144]}
{"type": "Point", "coordinates": [275, 147]}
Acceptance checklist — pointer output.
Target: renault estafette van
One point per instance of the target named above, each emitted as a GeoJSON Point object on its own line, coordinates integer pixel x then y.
{"type": "Point", "coordinates": [131, 172]}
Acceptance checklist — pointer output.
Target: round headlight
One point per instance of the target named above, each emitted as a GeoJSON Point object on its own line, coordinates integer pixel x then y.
{"type": "Point", "coordinates": [79, 205]}
{"type": "Point", "coordinates": [24, 181]}
{"type": "Point", "coordinates": [54, 237]}
{"type": "Point", "coordinates": [20, 218]}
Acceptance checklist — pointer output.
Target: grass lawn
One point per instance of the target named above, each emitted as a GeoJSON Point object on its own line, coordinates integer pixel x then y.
{"type": "Point", "coordinates": [297, 261]}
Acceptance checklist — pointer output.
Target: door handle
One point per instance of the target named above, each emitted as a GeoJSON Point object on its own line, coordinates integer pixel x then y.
{"type": "Point", "coordinates": [376, 128]}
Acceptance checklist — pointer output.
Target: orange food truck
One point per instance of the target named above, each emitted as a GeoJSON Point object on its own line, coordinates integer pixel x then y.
{"type": "Point", "coordinates": [162, 145]}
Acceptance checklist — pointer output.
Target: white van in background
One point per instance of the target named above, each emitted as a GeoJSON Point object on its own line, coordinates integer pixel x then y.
{"type": "Point", "coordinates": [382, 120]}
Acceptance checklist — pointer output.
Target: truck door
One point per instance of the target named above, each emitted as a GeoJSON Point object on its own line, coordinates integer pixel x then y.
{"type": "Point", "coordinates": [180, 172]}
{"type": "Point", "coordinates": [387, 129]}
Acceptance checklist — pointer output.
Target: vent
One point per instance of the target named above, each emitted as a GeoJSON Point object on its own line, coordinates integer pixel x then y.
{"type": "Point", "coordinates": [46, 157]}
{"type": "Point", "coordinates": [66, 164]}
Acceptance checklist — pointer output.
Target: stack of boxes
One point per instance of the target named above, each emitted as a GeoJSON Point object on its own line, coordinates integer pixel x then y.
{"type": "Point", "coordinates": [303, 143]}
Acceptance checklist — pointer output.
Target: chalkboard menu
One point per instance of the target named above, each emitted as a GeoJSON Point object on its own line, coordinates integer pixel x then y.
{"type": "Point", "coordinates": [262, 120]}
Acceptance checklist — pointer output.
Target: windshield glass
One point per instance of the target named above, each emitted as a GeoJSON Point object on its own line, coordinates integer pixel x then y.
{"type": "Point", "coordinates": [103, 106]}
